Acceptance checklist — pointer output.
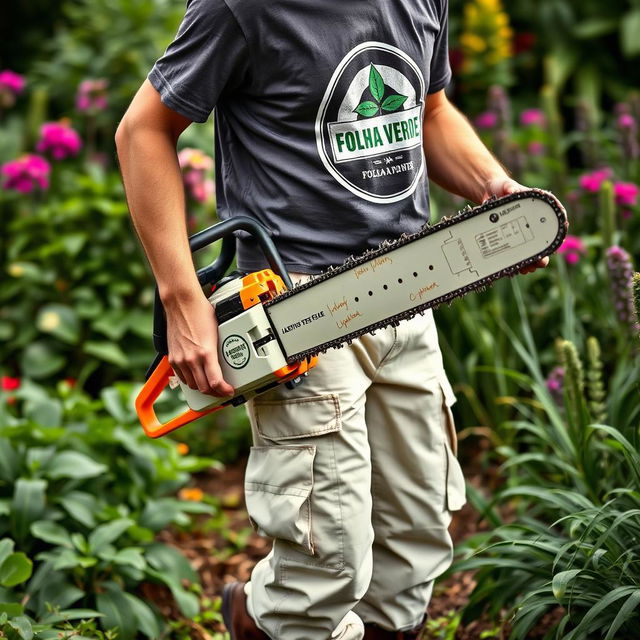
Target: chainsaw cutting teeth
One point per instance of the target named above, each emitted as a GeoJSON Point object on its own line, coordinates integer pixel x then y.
{"type": "Point", "coordinates": [388, 246]}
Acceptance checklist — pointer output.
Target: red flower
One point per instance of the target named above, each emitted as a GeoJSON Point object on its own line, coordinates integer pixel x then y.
{"type": "Point", "coordinates": [9, 384]}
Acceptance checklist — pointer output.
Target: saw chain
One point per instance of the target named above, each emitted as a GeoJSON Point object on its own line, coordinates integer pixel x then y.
{"type": "Point", "coordinates": [270, 331]}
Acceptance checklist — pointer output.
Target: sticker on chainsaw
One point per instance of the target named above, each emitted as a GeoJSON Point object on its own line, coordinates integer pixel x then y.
{"type": "Point", "coordinates": [369, 124]}
{"type": "Point", "coordinates": [507, 235]}
{"type": "Point", "coordinates": [236, 352]}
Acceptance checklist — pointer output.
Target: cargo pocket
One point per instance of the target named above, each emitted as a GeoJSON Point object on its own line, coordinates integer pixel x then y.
{"type": "Point", "coordinates": [278, 485]}
{"type": "Point", "coordinates": [455, 485]}
{"type": "Point", "coordinates": [297, 417]}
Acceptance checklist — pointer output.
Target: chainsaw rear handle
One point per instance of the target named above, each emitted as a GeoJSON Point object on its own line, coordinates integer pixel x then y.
{"type": "Point", "coordinates": [213, 273]}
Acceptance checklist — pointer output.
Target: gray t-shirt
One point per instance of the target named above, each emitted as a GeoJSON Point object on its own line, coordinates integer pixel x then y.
{"type": "Point", "coordinates": [319, 109]}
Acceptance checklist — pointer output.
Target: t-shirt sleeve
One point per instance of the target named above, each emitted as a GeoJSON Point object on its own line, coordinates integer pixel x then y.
{"type": "Point", "coordinates": [207, 58]}
{"type": "Point", "coordinates": [440, 67]}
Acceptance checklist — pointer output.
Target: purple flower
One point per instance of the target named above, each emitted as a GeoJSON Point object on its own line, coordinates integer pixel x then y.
{"type": "Point", "coordinates": [621, 275]}
{"type": "Point", "coordinates": [530, 117]}
{"type": "Point", "coordinates": [626, 121]}
{"type": "Point", "coordinates": [592, 182]}
{"type": "Point", "coordinates": [26, 174]}
{"type": "Point", "coordinates": [11, 84]}
{"type": "Point", "coordinates": [59, 140]}
{"type": "Point", "coordinates": [487, 120]}
{"type": "Point", "coordinates": [92, 95]}
{"type": "Point", "coordinates": [555, 384]}
{"type": "Point", "coordinates": [573, 248]}
{"type": "Point", "coordinates": [626, 193]}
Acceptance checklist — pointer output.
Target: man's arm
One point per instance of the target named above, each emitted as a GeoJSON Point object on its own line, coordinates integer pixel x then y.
{"type": "Point", "coordinates": [458, 160]}
{"type": "Point", "coordinates": [146, 143]}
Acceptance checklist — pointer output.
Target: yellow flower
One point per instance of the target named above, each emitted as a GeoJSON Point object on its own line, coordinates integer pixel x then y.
{"type": "Point", "coordinates": [49, 321]}
{"type": "Point", "coordinates": [195, 494]}
{"type": "Point", "coordinates": [487, 36]}
{"type": "Point", "coordinates": [15, 270]}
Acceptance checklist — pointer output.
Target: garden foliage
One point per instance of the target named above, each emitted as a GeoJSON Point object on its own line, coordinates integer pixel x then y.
{"type": "Point", "coordinates": [545, 366]}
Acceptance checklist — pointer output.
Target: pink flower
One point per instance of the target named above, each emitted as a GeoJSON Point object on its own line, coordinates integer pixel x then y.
{"type": "Point", "coordinates": [487, 120]}
{"type": "Point", "coordinates": [530, 117]}
{"type": "Point", "coordinates": [92, 95]}
{"type": "Point", "coordinates": [9, 384]}
{"type": "Point", "coordinates": [195, 165]}
{"type": "Point", "coordinates": [26, 173]}
{"type": "Point", "coordinates": [59, 139]}
{"type": "Point", "coordinates": [572, 248]}
{"type": "Point", "coordinates": [593, 181]}
{"type": "Point", "coordinates": [626, 193]}
{"type": "Point", "coordinates": [626, 121]}
{"type": "Point", "coordinates": [536, 148]}
{"type": "Point", "coordinates": [11, 84]}
{"type": "Point", "coordinates": [11, 81]}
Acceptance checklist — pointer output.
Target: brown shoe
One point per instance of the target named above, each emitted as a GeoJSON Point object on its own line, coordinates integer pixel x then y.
{"type": "Point", "coordinates": [239, 623]}
{"type": "Point", "coordinates": [373, 632]}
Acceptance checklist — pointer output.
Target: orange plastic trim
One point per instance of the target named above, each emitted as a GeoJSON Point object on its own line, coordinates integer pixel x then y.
{"type": "Point", "coordinates": [259, 286]}
{"type": "Point", "coordinates": [149, 393]}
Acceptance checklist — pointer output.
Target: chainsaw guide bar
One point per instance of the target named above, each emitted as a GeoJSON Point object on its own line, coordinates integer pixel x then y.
{"type": "Point", "coordinates": [462, 253]}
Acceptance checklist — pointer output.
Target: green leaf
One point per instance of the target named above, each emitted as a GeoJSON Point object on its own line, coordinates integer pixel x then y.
{"type": "Point", "coordinates": [106, 533]}
{"type": "Point", "coordinates": [15, 569]}
{"type": "Point", "coordinates": [118, 612]}
{"type": "Point", "coordinates": [131, 556]}
{"type": "Point", "coordinates": [376, 83]}
{"type": "Point", "coordinates": [170, 562]}
{"type": "Point", "coordinates": [561, 581]}
{"type": "Point", "coordinates": [70, 614]}
{"type": "Point", "coordinates": [148, 622]}
{"type": "Point", "coordinates": [6, 548]}
{"type": "Point", "coordinates": [39, 360]}
{"type": "Point", "coordinates": [624, 613]}
{"type": "Point", "coordinates": [73, 464]}
{"type": "Point", "coordinates": [629, 29]}
{"type": "Point", "coordinates": [28, 505]}
{"type": "Point", "coordinates": [394, 102]}
{"type": "Point", "coordinates": [595, 27]}
{"type": "Point", "coordinates": [51, 532]}
{"type": "Point", "coordinates": [11, 608]}
{"type": "Point", "coordinates": [60, 321]}
{"type": "Point", "coordinates": [81, 507]}
{"type": "Point", "coordinates": [597, 609]}
{"type": "Point", "coordinates": [107, 351]}
{"type": "Point", "coordinates": [46, 412]}
{"type": "Point", "coordinates": [9, 461]}
{"type": "Point", "coordinates": [23, 626]}
{"type": "Point", "coordinates": [367, 109]}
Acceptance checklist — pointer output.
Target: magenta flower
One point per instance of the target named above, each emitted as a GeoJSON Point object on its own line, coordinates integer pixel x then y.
{"type": "Point", "coordinates": [626, 193]}
{"type": "Point", "coordinates": [11, 84]}
{"type": "Point", "coordinates": [487, 120]}
{"type": "Point", "coordinates": [59, 139]}
{"type": "Point", "coordinates": [92, 95]}
{"type": "Point", "coordinates": [555, 384]}
{"type": "Point", "coordinates": [626, 121]}
{"type": "Point", "coordinates": [26, 174]}
{"type": "Point", "coordinates": [573, 248]}
{"type": "Point", "coordinates": [592, 182]}
{"type": "Point", "coordinates": [195, 166]}
{"type": "Point", "coordinates": [531, 117]}
{"type": "Point", "coordinates": [535, 148]}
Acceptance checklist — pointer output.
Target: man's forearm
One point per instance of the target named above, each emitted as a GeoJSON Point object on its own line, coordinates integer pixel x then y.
{"type": "Point", "coordinates": [457, 159]}
{"type": "Point", "coordinates": [155, 194]}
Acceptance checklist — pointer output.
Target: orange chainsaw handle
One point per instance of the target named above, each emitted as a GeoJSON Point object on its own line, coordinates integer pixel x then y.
{"type": "Point", "coordinates": [153, 387]}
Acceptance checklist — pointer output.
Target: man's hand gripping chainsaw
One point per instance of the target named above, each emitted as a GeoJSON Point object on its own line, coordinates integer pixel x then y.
{"type": "Point", "coordinates": [271, 332]}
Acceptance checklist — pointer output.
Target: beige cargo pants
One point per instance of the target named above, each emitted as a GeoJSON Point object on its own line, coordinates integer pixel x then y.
{"type": "Point", "coordinates": [354, 475]}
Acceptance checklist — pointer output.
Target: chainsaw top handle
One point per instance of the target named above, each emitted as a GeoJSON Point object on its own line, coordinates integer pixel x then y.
{"type": "Point", "coordinates": [212, 273]}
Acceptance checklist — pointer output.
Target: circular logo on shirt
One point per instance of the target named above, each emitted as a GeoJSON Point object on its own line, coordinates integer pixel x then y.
{"type": "Point", "coordinates": [369, 124]}
{"type": "Point", "coordinates": [235, 351]}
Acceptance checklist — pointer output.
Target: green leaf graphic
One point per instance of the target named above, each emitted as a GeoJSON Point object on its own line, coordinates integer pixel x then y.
{"type": "Point", "coordinates": [376, 84]}
{"type": "Point", "coordinates": [393, 103]}
{"type": "Point", "coordinates": [367, 109]}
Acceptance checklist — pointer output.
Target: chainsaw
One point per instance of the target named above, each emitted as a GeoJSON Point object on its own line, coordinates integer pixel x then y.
{"type": "Point", "coordinates": [271, 332]}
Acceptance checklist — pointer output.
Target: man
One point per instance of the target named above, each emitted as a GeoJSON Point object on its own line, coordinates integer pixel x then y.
{"type": "Point", "coordinates": [328, 115]}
